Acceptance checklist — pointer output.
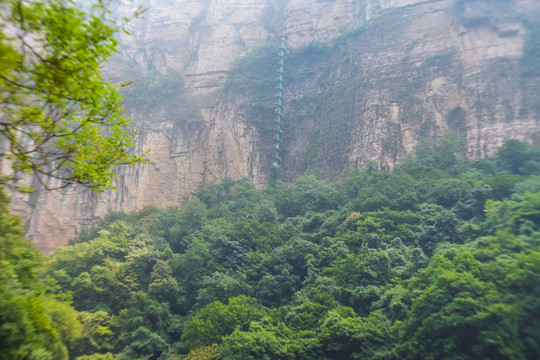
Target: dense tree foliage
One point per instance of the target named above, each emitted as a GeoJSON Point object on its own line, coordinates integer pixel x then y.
{"type": "Point", "coordinates": [33, 325]}
{"type": "Point", "coordinates": [439, 259]}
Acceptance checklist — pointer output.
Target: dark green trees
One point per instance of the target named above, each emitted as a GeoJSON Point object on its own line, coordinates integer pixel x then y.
{"type": "Point", "coordinates": [425, 262]}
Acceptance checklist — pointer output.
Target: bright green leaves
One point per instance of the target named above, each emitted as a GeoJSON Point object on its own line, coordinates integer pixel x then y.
{"type": "Point", "coordinates": [60, 118]}
{"type": "Point", "coordinates": [32, 324]}
{"type": "Point", "coordinates": [346, 336]}
{"type": "Point", "coordinates": [217, 320]}
{"type": "Point", "coordinates": [472, 302]}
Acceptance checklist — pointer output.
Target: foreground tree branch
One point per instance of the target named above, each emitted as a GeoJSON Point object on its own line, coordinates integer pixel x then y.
{"type": "Point", "coordinates": [58, 117]}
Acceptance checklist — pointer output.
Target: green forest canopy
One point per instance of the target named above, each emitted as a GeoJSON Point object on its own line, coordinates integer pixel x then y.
{"type": "Point", "coordinates": [438, 259]}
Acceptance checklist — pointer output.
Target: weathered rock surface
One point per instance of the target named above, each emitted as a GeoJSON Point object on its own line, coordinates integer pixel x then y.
{"type": "Point", "coordinates": [418, 68]}
{"type": "Point", "coordinates": [419, 71]}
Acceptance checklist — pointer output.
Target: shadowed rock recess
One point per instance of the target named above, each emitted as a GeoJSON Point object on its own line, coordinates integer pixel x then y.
{"type": "Point", "coordinates": [364, 81]}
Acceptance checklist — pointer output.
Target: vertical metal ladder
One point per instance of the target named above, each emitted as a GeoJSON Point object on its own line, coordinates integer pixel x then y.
{"type": "Point", "coordinates": [279, 106]}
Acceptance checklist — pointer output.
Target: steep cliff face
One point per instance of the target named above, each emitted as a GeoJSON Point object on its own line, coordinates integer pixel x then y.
{"type": "Point", "coordinates": [415, 72]}
{"type": "Point", "coordinates": [365, 80]}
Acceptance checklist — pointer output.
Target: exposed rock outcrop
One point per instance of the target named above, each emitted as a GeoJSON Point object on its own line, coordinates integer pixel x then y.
{"type": "Point", "coordinates": [387, 73]}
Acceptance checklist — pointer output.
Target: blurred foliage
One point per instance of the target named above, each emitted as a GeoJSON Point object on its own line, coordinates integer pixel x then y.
{"type": "Point", "coordinates": [154, 91]}
{"type": "Point", "coordinates": [255, 72]}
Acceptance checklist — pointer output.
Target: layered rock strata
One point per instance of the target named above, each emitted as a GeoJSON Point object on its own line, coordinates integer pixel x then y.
{"type": "Point", "coordinates": [391, 72]}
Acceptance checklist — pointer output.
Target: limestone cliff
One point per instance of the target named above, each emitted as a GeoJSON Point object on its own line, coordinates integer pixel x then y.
{"type": "Point", "coordinates": [366, 79]}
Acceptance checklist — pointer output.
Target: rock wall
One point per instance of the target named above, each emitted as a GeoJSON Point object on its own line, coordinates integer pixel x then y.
{"type": "Point", "coordinates": [413, 72]}
{"type": "Point", "coordinates": [384, 74]}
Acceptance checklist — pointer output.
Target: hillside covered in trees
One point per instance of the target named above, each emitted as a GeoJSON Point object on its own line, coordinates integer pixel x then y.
{"type": "Point", "coordinates": [438, 259]}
